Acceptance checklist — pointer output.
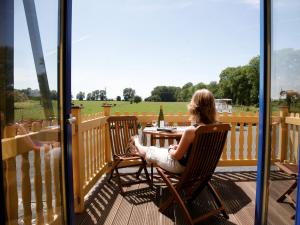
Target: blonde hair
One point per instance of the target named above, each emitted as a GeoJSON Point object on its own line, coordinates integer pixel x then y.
{"type": "Point", "coordinates": [202, 107]}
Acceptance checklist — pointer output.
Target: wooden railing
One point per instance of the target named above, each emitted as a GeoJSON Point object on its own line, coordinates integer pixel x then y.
{"type": "Point", "coordinates": [242, 143]}
{"type": "Point", "coordinates": [292, 122]}
{"type": "Point", "coordinates": [92, 157]}
{"type": "Point", "coordinates": [91, 154]}
{"type": "Point", "coordinates": [19, 159]}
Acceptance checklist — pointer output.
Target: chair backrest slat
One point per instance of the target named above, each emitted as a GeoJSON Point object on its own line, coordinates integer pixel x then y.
{"type": "Point", "coordinates": [205, 154]}
{"type": "Point", "coordinates": [121, 128]}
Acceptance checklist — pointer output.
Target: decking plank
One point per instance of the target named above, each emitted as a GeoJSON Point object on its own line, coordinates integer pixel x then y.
{"type": "Point", "coordinates": [140, 208]}
{"type": "Point", "coordinates": [153, 215]}
{"type": "Point", "coordinates": [105, 191]}
{"type": "Point", "coordinates": [124, 210]}
{"type": "Point", "coordinates": [245, 216]}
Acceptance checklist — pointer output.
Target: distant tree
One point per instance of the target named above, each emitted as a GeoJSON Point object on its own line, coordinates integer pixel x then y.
{"type": "Point", "coordinates": [241, 83]}
{"type": "Point", "coordinates": [200, 85]}
{"type": "Point", "coordinates": [80, 96]}
{"type": "Point", "coordinates": [214, 88]}
{"type": "Point", "coordinates": [118, 98]}
{"type": "Point", "coordinates": [137, 99]}
{"type": "Point", "coordinates": [95, 95]}
{"type": "Point", "coordinates": [19, 96]}
{"type": "Point", "coordinates": [102, 95]}
{"type": "Point", "coordinates": [89, 97]}
{"type": "Point", "coordinates": [186, 92]}
{"type": "Point", "coordinates": [165, 93]}
{"type": "Point", "coordinates": [128, 94]}
{"type": "Point", "coordinates": [26, 91]}
{"type": "Point", "coordinates": [253, 77]}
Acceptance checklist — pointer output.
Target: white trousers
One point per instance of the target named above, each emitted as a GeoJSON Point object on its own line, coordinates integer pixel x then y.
{"type": "Point", "coordinates": [163, 159]}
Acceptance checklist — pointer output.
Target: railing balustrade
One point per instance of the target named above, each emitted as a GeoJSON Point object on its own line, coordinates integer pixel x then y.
{"type": "Point", "coordinates": [19, 159]}
{"type": "Point", "coordinates": [92, 157]}
{"type": "Point", "coordinates": [91, 154]}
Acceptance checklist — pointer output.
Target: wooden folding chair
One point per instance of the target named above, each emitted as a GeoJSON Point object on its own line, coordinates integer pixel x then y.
{"type": "Point", "coordinates": [203, 159]}
{"type": "Point", "coordinates": [121, 129]}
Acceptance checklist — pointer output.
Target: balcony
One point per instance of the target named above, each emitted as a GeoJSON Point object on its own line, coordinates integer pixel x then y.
{"type": "Point", "coordinates": [99, 202]}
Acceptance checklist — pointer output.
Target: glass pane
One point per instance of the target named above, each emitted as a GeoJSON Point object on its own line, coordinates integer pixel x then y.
{"type": "Point", "coordinates": [285, 94]}
{"type": "Point", "coordinates": [31, 152]}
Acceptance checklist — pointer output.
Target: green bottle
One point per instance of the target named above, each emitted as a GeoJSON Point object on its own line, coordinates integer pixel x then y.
{"type": "Point", "coordinates": [161, 120]}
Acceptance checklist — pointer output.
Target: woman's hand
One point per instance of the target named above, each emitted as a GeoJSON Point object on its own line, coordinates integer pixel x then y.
{"type": "Point", "coordinates": [173, 146]}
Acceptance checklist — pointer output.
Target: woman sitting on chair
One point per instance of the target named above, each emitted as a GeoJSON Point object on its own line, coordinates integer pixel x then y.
{"type": "Point", "coordinates": [174, 159]}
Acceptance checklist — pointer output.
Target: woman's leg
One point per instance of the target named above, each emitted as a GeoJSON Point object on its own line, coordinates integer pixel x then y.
{"type": "Point", "coordinates": [138, 147]}
{"type": "Point", "coordinates": [160, 156]}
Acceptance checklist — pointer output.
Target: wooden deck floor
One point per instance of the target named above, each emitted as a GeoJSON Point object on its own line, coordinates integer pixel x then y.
{"type": "Point", "coordinates": [139, 206]}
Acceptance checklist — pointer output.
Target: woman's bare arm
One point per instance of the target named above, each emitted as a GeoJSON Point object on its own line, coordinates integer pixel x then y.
{"type": "Point", "coordinates": [184, 144]}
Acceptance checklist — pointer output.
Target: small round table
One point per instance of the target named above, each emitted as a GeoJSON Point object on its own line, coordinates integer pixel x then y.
{"type": "Point", "coordinates": [175, 134]}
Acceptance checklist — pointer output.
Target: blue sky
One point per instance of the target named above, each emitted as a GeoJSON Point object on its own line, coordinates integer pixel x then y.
{"type": "Point", "coordinates": [142, 44]}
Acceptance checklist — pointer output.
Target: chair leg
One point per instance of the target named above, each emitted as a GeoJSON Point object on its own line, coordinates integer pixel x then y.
{"type": "Point", "coordinates": [293, 217]}
{"type": "Point", "coordinates": [184, 210]}
{"type": "Point", "coordinates": [147, 175]}
{"type": "Point", "coordinates": [138, 173]}
{"type": "Point", "coordinates": [112, 170]}
{"type": "Point", "coordinates": [175, 196]}
{"type": "Point", "coordinates": [119, 181]}
{"type": "Point", "coordinates": [111, 175]}
{"type": "Point", "coordinates": [218, 200]}
{"type": "Point", "coordinates": [287, 192]}
{"type": "Point", "coordinates": [166, 204]}
{"type": "Point", "coordinates": [152, 173]}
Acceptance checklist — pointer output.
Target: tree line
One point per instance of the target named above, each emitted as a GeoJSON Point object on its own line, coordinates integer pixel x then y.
{"type": "Point", "coordinates": [128, 95]}
{"type": "Point", "coordinates": [241, 84]}
{"type": "Point", "coordinates": [21, 95]}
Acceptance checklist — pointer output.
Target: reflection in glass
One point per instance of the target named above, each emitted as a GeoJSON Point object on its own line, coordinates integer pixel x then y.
{"type": "Point", "coordinates": [285, 100]}
{"type": "Point", "coordinates": [31, 152]}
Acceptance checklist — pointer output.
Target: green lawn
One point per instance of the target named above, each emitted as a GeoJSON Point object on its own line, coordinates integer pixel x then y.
{"type": "Point", "coordinates": [121, 106]}
{"type": "Point", "coordinates": [168, 107]}
{"type": "Point", "coordinates": [33, 109]}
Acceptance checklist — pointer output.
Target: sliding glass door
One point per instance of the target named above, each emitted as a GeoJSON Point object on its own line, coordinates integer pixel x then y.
{"type": "Point", "coordinates": [279, 113]}
{"type": "Point", "coordinates": [32, 159]}
{"type": "Point", "coordinates": [285, 108]}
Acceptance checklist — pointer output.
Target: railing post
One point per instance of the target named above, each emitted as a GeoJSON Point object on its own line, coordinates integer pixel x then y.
{"type": "Point", "coordinates": [10, 176]}
{"type": "Point", "coordinates": [38, 184]}
{"type": "Point", "coordinates": [108, 153]}
{"type": "Point", "coordinates": [78, 161]}
{"type": "Point", "coordinates": [106, 109]}
{"type": "Point", "coordinates": [283, 135]}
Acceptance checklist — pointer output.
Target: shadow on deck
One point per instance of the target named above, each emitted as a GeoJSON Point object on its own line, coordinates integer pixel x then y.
{"type": "Point", "coordinates": [139, 206]}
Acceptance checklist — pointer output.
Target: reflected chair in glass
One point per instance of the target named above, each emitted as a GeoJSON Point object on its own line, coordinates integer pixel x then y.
{"type": "Point", "coordinates": [291, 170]}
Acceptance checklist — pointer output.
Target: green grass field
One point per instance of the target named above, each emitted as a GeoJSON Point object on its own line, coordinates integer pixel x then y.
{"type": "Point", "coordinates": [33, 109]}
{"type": "Point", "coordinates": [90, 107]}
{"type": "Point", "coordinates": [121, 106]}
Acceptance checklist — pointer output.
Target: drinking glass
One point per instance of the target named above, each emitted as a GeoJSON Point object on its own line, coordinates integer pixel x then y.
{"type": "Point", "coordinates": [154, 123]}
